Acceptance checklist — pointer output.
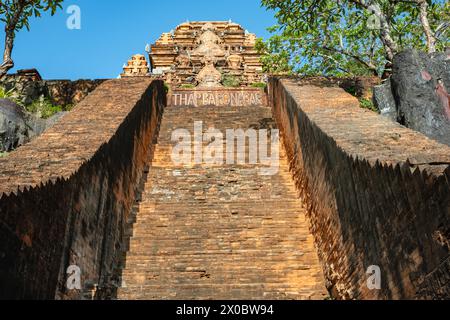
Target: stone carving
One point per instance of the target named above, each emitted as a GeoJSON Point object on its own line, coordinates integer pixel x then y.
{"type": "Point", "coordinates": [209, 76]}
{"type": "Point", "coordinates": [137, 66]}
{"type": "Point", "coordinates": [208, 37]}
{"type": "Point", "coordinates": [209, 45]}
{"type": "Point", "coordinates": [183, 60]}
{"type": "Point", "coordinates": [169, 78]}
{"type": "Point", "coordinates": [211, 52]}
{"type": "Point", "coordinates": [234, 61]}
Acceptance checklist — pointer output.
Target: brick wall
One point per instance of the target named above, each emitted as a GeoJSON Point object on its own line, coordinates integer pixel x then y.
{"type": "Point", "coordinates": [376, 193]}
{"type": "Point", "coordinates": [66, 196]}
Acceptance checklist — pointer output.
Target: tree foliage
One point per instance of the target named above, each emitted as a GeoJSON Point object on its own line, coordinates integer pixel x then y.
{"type": "Point", "coordinates": [16, 14]}
{"type": "Point", "coordinates": [351, 37]}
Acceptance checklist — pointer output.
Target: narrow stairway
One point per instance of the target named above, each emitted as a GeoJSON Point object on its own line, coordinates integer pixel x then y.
{"type": "Point", "coordinates": [219, 232]}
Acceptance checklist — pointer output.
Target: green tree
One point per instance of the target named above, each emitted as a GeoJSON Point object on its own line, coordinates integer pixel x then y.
{"type": "Point", "coordinates": [352, 37]}
{"type": "Point", "coordinates": [15, 14]}
{"type": "Point", "coordinates": [274, 58]}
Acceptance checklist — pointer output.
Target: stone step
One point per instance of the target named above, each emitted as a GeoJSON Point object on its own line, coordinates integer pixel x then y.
{"type": "Point", "coordinates": [218, 232]}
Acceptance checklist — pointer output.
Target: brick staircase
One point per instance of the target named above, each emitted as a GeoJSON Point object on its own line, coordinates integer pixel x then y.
{"type": "Point", "coordinates": [218, 232]}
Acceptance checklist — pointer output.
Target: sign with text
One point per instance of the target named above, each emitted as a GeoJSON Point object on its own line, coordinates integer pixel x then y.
{"type": "Point", "coordinates": [218, 97]}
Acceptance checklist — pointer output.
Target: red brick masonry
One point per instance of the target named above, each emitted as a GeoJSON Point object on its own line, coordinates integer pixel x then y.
{"type": "Point", "coordinates": [377, 193]}
{"type": "Point", "coordinates": [65, 197]}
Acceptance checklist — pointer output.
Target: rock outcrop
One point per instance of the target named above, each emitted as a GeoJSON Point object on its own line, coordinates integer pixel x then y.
{"type": "Point", "coordinates": [419, 89]}
{"type": "Point", "coordinates": [18, 127]}
{"type": "Point", "coordinates": [24, 90]}
{"type": "Point", "coordinates": [13, 129]}
{"type": "Point", "coordinates": [65, 93]}
{"type": "Point", "coordinates": [384, 100]}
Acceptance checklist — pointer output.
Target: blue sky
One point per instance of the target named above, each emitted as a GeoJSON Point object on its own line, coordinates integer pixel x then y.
{"type": "Point", "coordinates": [113, 30]}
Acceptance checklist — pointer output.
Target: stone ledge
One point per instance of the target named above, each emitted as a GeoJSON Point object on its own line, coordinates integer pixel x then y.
{"type": "Point", "coordinates": [62, 150]}
{"type": "Point", "coordinates": [364, 134]}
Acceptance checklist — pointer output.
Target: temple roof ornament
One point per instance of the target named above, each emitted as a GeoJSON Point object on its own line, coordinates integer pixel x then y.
{"type": "Point", "coordinates": [208, 27]}
{"type": "Point", "coordinates": [250, 39]}
{"type": "Point", "coordinates": [233, 26]}
{"type": "Point", "coordinates": [137, 66]}
{"type": "Point", "coordinates": [166, 38]}
{"type": "Point", "coordinates": [184, 27]}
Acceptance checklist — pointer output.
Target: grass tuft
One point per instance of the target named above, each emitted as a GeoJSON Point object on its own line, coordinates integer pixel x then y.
{"type": "Point", "coordinates": [44, 108]}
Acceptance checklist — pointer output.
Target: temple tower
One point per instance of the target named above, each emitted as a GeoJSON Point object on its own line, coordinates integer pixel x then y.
{"type": "Point", "coordinates": [205, 53]}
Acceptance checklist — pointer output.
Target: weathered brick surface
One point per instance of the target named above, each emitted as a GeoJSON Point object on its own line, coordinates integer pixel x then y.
{"type": "Point", "coordinates": [360, 86]}
{"type": "Point", "coordinates": [376, 193]}
{"type": "Point", "coordinates": [66, 196]}
{"type": "Point", "coordinates": [219, 231]}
